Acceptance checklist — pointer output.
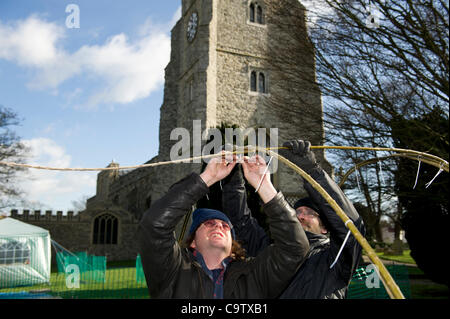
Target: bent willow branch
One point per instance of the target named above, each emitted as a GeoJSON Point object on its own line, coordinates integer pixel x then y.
{"type": "Point", "coordinates": [390, 285]}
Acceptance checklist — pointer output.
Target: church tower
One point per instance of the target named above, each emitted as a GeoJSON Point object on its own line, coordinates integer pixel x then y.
{"type": "Point", "coordinates": [219, 73]}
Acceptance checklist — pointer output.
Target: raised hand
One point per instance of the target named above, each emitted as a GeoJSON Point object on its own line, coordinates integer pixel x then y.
{"type": "Point", "coordinates": [258, 176]}
{"type": "Point", "coordinates": [299, 153]}
{"type": "Point", "coordinates": [218, 168]}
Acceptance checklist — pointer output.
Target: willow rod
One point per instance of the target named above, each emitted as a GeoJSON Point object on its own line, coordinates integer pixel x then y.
{"type": "Point", "coordinates": [378, 159]}
{"type": "Point", "coordinates": [424, 157]}
{"type": "Point", "coordinates": [389, 283]}
{"type": "Point", "coordinates": [433, 160]}
{"type": "Point", "coordinates": [391, 287]}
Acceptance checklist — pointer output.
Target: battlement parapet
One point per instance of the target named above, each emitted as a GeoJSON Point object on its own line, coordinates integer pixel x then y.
{"type": "Point", "coordinates": [47, 216]}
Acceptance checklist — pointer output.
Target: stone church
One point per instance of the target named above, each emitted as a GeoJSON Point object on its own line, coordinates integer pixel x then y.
{"type": "Point", "coordinates": [218, 74]}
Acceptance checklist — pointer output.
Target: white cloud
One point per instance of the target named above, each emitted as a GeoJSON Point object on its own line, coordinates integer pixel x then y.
{"type": "Point", "coordinates": [54, 189]}
{"type": "Point", "coordinates": [30, 42]}
{"type": "Point", "coordinates": [130, 70]}
{"type": "Point", "coordinates": [126, 70]}
{"type": "Point", "coordinates": [44, 150]}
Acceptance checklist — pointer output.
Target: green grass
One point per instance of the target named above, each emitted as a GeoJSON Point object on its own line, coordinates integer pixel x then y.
{"type": "Point", "coordinates": [404, 258]}
{"type": "Point", "coordinates": [420, 286]}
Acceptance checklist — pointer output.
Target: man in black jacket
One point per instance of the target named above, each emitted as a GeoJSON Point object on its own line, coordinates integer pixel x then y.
{"type": "Point", "coordinates": [331, 259]}
{"type": "Point", "coordinates": [207, 268]}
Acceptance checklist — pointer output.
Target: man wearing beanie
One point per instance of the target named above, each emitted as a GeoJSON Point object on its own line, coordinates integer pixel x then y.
{"type": "Point", "coordinates": [334, 252]}
{"type": "Point", "coordinates": [212, 265]}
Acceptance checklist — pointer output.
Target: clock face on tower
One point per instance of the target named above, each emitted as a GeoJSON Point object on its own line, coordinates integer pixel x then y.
{"type": "Point", "coordinates": [192, 26]}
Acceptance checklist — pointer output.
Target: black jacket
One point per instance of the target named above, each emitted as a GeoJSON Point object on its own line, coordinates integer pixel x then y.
{"type": "Point", "coordinates": [172, 271]}
{"type": "Point", "coordinates": [314, 279]}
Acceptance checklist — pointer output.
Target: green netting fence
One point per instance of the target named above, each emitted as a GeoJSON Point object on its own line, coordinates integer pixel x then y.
{"type": "Point", "coordinates": [81, 276]}
{"type": "Point", "coordinates": [140, 277]}
{"type": "Point", "coordinates": [365, 284]}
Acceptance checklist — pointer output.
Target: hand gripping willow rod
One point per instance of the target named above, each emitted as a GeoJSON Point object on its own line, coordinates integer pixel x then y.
{"type": "Point", "coordinates": [391, 287]}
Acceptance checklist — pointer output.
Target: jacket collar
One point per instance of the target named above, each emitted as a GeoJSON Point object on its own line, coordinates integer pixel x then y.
{"type": "Point", "coordinates": [316, 239]}
{"type": "Point", "coordinates": [197, 258]}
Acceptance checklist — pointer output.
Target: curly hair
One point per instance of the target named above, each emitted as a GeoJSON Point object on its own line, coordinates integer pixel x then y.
{"type": "Point", "coordinates": [237, 251]}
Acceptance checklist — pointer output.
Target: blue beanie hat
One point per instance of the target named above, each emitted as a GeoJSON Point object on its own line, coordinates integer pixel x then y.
{"type": "Point", "coordinates": [308, 203]}
{"type": "Point", "coordinates": [201, 215]}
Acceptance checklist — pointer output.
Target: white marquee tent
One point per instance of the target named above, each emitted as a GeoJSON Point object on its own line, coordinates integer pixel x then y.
{"type": "Point", "coordinates": [25, 252]}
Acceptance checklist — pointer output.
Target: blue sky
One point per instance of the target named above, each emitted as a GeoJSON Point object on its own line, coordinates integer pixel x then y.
{"type": "Point", "coordinates": [86, 95]}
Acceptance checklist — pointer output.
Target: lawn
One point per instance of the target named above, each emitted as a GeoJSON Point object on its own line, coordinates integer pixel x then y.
{"type": "Point", "coordinates": [404, 258]}
{"type": "Point", "coordinates": [420, 286]}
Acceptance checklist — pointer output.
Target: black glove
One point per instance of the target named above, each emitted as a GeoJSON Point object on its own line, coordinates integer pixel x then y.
{"type": "Point", "coordinates": [299, 153]}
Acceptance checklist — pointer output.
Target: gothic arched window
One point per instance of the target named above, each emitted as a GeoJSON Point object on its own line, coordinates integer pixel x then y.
{"type": "Point", "coordinates": [259, 15]}
{"type": "Point", "coordinates": [105, 230]}
{"type": "Point", "coordinates": [261, 83]}
{"type": "Point", "coordinates": [252, 12]}
{"type": "Point", "coordinates": [253, 81]}
{"type": "Point", "coordinates": [256, 13]}
{"type": "Point", "coordinates": [258, 82]}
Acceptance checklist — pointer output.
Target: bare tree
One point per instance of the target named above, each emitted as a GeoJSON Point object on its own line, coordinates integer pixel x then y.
{"type": "Point", "coordinates": [368, 72]}
{"type": "Point", "coordinates": [381, 67]}
{"type": "Point", "coordinates": [10, 150]}
{"type": "Point", "coordinates": [374, 63]}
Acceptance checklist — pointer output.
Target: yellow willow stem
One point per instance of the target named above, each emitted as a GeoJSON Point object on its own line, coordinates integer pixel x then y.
{"type": "Point", "coordinates": [433, 160]}
{"type": "Point", "coordinates": [391, 287]}
{"type": "Point", "coordinates": [374, 160]}
{"type": "Point", "coordinates": [424, 157]}
{"type": "Point", "coordinates": [389, 283]}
